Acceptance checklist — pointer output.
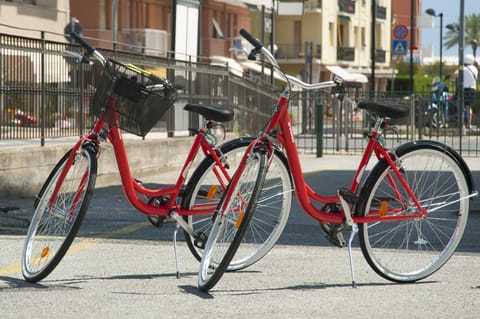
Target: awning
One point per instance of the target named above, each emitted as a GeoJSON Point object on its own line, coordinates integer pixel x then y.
{"type": "Point", "coordinates": [217, 28]}
{"type": "Point", "coordinates": [233, 66]}
{"type": "Point", "coordinates": [346, 75]}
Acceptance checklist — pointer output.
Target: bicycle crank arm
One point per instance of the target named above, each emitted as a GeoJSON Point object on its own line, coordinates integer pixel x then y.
{"type": "Point", "coordinates": [347, 198]}
{"type": "Point", "coordinates": [200, 238]}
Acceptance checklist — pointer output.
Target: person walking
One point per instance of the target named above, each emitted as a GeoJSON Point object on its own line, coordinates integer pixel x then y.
{"type": "Point", "coordinates": [470, 74]}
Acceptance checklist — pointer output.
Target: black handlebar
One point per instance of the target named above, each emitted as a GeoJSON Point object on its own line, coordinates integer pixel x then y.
{"type": "Point", "coordinates": [82, 42]}
{"type": "Point", "coordinates": [257, 44]}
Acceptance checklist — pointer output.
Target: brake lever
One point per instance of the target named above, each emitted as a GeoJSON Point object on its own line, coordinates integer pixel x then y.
{"type": "Point", "coordinates": [82, 58]}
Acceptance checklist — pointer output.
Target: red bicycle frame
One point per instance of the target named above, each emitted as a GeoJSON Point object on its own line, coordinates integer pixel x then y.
{"type": "Point", "coordinates": [133, 188]}
{"type": "Point", "coordinates": [306, 195]}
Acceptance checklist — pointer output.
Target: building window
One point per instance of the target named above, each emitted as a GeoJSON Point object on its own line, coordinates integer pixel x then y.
{"type": "Point", "coordinates": [331, 34]}
{"type": "Point", "coordinates": [364, 38]}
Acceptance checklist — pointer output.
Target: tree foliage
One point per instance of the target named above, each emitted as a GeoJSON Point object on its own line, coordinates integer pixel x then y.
{"type": "Point", "coordinates": [472, 32]}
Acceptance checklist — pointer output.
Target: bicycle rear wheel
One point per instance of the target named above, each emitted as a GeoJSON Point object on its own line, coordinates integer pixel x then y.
{"type": "Point", "coordinates": [58, 215]}
{"type": "Point", "coordinates": [413, 249]}
{"type": "Point", "coordinates": [231, 220]}
{"type": "Point", "coordinates": [207, 186]}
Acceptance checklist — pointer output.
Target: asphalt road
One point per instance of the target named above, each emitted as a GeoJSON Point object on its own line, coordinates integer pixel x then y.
{"type": "Point", "coordinates": [120, 266]}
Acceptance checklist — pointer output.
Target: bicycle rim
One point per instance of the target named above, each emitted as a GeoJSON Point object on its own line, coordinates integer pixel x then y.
{"type": "Point", "coordinates": [54, 225]}
{"type": "Point", "coordinates": [410, 250]}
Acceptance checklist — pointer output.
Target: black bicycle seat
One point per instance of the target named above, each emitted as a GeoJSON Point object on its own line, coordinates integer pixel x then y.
{"type": "Point", "coordinates": [215, 112]}
{"type": "Point", "coordinates": [391, 109]}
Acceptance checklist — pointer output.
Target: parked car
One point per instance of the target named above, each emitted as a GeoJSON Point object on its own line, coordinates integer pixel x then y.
{"type": "Point", "coordinates": [18, 117]}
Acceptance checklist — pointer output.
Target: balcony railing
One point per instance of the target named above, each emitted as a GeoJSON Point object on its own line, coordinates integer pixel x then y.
{"type": "Point", "coordinates": [347, 6]}
{"type": "Point", "coordinates": [312, 4]}
{"type": "Point", "coordinates": [345, 54]}
{"type": "Point", "coordinates": [381, 12]}
{"type": "Point", "coordinates": [380, 56]}
{"type": "Point", "coordinates": [290, 51]}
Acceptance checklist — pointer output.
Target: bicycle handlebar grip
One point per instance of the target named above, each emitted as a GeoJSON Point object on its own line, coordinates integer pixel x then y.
{"type": "Point", "coordinates": [257, 44]}
{"type": "Point", "coordinates": [82, 42]}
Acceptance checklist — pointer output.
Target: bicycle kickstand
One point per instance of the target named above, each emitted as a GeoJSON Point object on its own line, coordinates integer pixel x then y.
{"type": "Point", "coordinates": [350, 240]}
{"type": "Point", "coordinates": [346, 199]}
{"type": "Point", "coordinates": [175, 249]}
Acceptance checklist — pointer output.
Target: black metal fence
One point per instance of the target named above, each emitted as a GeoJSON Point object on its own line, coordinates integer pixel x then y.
{"type": "Point", "coordinates": [45, 94]}
{"type": "Point", "coordinates": [341, 126]}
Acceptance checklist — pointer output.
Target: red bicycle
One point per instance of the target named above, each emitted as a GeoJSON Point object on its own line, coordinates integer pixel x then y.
{"type": "Point", "coordinates": [131, 99]}
{"type": "Point", "coordinates": [410, 211]}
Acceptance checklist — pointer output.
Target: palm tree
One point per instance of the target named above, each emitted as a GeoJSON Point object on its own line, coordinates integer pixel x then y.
{"type": "Point", "coordinates": [472, 33]}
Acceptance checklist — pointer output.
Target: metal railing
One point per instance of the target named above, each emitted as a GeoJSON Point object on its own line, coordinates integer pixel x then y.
{"type": "Point", "coordinates": [44, 94]}
{"type": "Point", "coordinates": [341, 126]}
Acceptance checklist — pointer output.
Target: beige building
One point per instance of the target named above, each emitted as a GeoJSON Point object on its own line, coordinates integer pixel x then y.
{"type": "Point", "coordinates": [336, 32]}
{"type": "Point", "coordinates": [29, 17]}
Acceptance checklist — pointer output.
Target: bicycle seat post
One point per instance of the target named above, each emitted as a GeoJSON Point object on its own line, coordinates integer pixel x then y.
{"type": "Point", "coordinates": [379, 125]}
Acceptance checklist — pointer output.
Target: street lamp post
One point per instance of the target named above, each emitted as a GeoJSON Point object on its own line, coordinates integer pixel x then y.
{"type": "Point", "coordinates": [432, 13]}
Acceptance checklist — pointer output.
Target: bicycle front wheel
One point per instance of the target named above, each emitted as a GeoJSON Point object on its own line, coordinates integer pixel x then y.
{"type": "Point", "coordinates": [231, 220]}
{"type": "Point", "coordinates": [59, 211]}
{"type": "Point", "coordinates": [413, 249]}
{"type": "Point", "coordinates": [207, 186]}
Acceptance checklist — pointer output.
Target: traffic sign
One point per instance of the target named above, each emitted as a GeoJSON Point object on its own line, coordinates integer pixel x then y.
{"type": "Point", "coordinates": [399, 47]}
{"type": "Point", "coordinates": [400, 31]}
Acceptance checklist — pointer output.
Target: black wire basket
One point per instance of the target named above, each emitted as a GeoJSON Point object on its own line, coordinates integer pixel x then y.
{"type": "Point", "coordinates": [131, 98]}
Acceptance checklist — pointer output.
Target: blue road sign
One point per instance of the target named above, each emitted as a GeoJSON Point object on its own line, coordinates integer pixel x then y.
{"type": "Point", "coordinates": [399, 47]}
{"type": "Point", "coordinates": [400, 31]}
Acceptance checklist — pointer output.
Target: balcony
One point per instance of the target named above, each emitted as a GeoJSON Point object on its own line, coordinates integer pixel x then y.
{"type": "Point", "coordinates": [347, 6]}
{"type": "Point", "coordinates": [290, 52]}
{"type": "Point", "coordinates": [312, 5]}
{"type": "Point", "coordinates": [381, 13]}
{"type": "Point", "coordinates": [346, 54]}
{"type": "Point", "coordinates": [380, 56]}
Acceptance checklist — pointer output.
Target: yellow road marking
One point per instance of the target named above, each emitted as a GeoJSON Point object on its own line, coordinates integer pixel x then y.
{"type": "Point", "coordinates": [80, 245]}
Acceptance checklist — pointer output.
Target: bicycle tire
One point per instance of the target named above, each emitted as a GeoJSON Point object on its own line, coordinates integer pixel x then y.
{"type": "Point", "coordinates": [52, 228]}
{"type": "Point", "coordinates": [271, 214]}
{"type": "Point", "coordinates": [229, 226]}
{"type": "Point", "coordinates": [413, 249]}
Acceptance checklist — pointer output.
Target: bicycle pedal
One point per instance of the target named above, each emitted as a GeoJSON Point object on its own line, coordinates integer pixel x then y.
{"type": "Point", "coordinates": [334, 233]}
{"type": "Point", "coordinates": [348, 196]}
{"type": "Point", "coordinates": [200, 240]}
{"type": "Point", "coordinates": [157, 221]}
{"type": "Point", "coordinates": [337, 239]}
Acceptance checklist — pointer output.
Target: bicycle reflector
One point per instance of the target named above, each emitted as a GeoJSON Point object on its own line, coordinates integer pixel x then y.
{"type": "Point", "coordinates": [383, 208]}
{"type": "Point", "coordinates": [212, 192]}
